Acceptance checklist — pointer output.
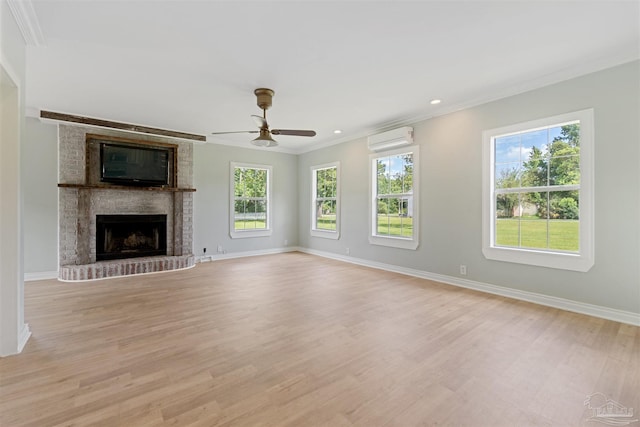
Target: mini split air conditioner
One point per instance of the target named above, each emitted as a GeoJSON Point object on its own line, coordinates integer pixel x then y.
{"type": "Point", "coordinates": [391, 139]}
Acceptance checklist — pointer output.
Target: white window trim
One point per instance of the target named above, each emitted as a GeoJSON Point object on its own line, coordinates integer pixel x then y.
{"type": "Point", "coordinates": [242, 234]}
{"type": "Point", "coordinates": [393, 241]}
{"type": "Point", "coordinates": [326, 234]}
{"type": "Point", "coordinates": [584, 259]}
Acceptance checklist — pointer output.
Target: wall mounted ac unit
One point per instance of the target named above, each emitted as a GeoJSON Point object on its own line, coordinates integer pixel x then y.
{"type": "Point", "coordinates": [391, 139]}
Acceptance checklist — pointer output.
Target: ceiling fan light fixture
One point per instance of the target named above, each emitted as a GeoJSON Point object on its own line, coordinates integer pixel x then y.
{"type": "Point", "coordinates": [265, 139]}
{"type": "Point", "coordinates": [260, 143]}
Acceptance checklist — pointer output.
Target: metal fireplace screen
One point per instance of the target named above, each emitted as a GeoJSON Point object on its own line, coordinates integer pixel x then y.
{"type": "Point", "coordinates": [130, 236]}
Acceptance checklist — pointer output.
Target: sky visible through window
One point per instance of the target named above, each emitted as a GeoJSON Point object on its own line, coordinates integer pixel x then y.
{"type": "Point", "coordinates": [512, 150]}
{"type": "Point", "coordinates": [393, 165]}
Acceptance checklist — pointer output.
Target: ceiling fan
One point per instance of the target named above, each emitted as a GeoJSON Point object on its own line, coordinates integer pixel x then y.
{"type": "Point", "coordinates": [265, 97]}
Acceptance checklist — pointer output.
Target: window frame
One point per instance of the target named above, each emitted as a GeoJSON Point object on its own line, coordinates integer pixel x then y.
{"type": "Point", "coordinates": [394, 241]}
{"type": "Point", "coordinates": [262, 232]}
{"type": "Point", "coordinates": [317, 232]}
{"type": "Point", "coordinates": [583, 259]}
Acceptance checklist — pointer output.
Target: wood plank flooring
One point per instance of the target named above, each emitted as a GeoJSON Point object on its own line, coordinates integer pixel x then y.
{"type": "Point", "coordinates": [297, 340]}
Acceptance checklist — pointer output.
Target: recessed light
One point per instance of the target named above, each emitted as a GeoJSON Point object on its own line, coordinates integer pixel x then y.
{"type": "Point", "coordinates": [435, 101]}
{"type": "Point", "coordinates": [337, 131]}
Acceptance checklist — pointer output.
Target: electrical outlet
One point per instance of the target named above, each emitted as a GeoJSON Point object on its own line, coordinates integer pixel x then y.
{"type": "Point", "coordinates": [463, 269]}
{"type": "Point", "coordinates": [348, 251]}
{"type": "Point", "coordinates": [286, 242]}
{"type": "Point", "coordinates": [219, 248]}
{"type": "Point", "coordinates": [204, 251]}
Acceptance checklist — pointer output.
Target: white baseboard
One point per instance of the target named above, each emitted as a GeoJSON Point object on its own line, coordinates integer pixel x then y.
{"type": "Point", "coordinates": [231, 255]}
{"type": "Point", "coordinates": [43, 275]}
{"type": "Point", "coordinates": [12, 347]}
{"type": "Point", "coordinates": [25, 333]}
{"type": "Point", "coordinates": [621, 316]}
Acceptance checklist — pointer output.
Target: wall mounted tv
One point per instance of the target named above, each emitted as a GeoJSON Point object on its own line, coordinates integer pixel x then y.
{"type": "Point", "coordinates": [134, 165]}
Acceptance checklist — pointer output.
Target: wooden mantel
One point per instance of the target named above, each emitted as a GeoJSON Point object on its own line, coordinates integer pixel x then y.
{"type": "Point", "coordinates": [126, 187]}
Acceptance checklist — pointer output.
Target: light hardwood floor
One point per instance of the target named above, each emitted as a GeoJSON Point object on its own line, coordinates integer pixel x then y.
{"type": "Point", "coordinates": [298, 340]}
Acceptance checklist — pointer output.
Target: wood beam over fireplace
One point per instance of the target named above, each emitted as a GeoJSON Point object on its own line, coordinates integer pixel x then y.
{"type": "Point", "coordinates": [52, 115]}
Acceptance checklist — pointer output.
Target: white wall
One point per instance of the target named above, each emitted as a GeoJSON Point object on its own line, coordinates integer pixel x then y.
{"type": "Point", "coordinates": [211, 201]}
{"type": "Point", "coordinates": [39, 183]}
{"type": "Point", "coordinates": [450, 193]}
{"type": "Point", "coordinates": [13, 331]}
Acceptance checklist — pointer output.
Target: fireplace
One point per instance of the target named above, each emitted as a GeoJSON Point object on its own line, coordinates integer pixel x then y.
{"type": "Point", "coordinates": [130, 236]}
{"type": "Point", "coordinates": [94, 240]}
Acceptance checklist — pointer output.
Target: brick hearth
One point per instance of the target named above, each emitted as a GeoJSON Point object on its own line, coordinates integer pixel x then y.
{"type": "Point", "coordinates": [124, 267]}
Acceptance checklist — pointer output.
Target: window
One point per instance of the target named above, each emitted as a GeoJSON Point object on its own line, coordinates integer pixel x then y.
{"type": "Point", "coordinates": [394, 198]}
{"type": "Point", "coordinates": [250, 200]}
{"type": "Point", "coordinates": [325, 209]}
{"type": "Point", "coordinates": [537, 199]}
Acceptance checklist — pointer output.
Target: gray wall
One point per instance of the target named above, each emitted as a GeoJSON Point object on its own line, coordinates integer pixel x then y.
{"type": "Point", "coordinates": [451, 191]}
{"type": "Point", "coordinates": [40, 196]}
{"type": "Point", "coordinates": [211, 200]}
{"type": "Point", "coordinates": [450, 199]}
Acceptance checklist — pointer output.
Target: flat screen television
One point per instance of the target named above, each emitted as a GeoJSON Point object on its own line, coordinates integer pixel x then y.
{"type": "Point", "coordinates": [134, 165]}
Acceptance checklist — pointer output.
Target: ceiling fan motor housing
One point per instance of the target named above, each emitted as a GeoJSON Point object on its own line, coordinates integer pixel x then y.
{"type": "Point", "coordinates": [265, 97]}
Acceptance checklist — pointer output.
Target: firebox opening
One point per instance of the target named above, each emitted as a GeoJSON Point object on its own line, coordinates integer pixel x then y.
{"type": "Point", "coordinates": [130, 236]}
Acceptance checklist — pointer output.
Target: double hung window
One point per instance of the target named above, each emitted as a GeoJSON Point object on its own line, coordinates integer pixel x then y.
{"type": "Point", "coordinates": [325, 209]}
{"type": "Point", "coordinates": [537, 202]}
{"type": "Point", "coordinates": [394, 198]}
{"type": "Point", "coordinates": [250, 200]}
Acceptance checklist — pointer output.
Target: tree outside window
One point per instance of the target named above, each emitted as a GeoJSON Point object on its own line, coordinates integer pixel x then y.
{"type": "Point", "coordinates": [537, 196]}
{"type": "Point", "coordinates": [250, 201]}
{"type": "Point", "coordinates": [394, 195]}
{"type": "Point", "coordinates": [325, 195]}
{"type": "Point", "coordinates": [394, 198]}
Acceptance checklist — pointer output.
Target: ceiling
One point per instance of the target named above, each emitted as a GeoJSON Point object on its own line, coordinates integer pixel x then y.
{"type": "Point", "coordinates": [358, 66]}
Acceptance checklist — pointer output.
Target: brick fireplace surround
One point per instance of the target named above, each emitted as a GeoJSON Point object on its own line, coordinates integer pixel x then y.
{"type": "Point", "coordinates": [78, 208]}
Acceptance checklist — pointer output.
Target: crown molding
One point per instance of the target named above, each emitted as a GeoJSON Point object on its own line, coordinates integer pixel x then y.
{"type": "Point", "coordinates": [27, 20]}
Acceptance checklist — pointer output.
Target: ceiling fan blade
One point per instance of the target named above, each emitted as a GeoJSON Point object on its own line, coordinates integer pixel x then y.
{"type": "Point", "coordinates": [260, 121]}
{"type": "Point", "coordinates": [240, 131]}
{"type": "Point", "coordinates": [293, 132]}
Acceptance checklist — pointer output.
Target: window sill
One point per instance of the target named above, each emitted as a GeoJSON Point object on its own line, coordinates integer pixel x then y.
{"type": "Point", "coordinates": [243, 234]}
{"type": "Point", "coordinates": [325, 234]}
{"type": "Point", "coordinates": [558, 260]}
{"type": "Point", "coordinates": [394, 242]}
